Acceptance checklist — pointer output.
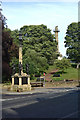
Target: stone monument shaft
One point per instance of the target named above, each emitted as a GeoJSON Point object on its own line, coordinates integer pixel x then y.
{"type": "Point", "coordinates": [56, 36]}
{"type": "Point", "coordinates": [20, 57]}
{"type": "Point", "coordinates": [20, 54]}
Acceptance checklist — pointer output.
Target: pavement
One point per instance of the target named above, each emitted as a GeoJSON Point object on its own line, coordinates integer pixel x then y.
{"type": "Point", "coordinates": [39, 90]}
{"type": "Point", "coordinates": [25, 92]}
{"type": "Point", "coordinates": [3, 89]}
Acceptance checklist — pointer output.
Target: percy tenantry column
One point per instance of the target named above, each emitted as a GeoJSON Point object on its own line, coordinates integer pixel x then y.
{"type": "Point", "coordinates": [56, 36]}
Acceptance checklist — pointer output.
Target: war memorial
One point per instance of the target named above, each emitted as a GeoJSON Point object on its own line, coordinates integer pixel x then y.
{"type": "Point", "coordinates": [20, 80]}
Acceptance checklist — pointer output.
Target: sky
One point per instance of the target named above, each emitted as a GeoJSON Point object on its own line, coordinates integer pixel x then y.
{"type": "Point", "coordinates": [52, 13]}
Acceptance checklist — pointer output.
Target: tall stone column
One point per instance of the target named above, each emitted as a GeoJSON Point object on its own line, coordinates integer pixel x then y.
{"type": "Point", "coordinates": [56, 36]}
{"type": "Point", "coordinates": [20, 56]}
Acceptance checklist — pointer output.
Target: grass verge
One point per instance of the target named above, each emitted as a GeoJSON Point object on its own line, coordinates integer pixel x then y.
{"type": "Point", "coordinates": [70, 73]}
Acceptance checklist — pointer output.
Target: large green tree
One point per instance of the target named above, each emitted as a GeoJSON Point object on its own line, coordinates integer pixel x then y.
{"type": "Point", "coordinates": [39, 47]}
{"type": "Point", "coordinates": [72, 42]}
{"type": "Point", "coordinates": [39, 38]}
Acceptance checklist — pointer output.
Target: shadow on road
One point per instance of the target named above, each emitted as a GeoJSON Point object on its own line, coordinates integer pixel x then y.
{"type": "Point", "coordinates": [66, 106]}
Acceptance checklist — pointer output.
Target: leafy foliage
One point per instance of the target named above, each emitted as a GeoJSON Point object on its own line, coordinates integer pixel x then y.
{"type": "Point", "coordinates": [39, 47]}
{"type": "Point", "coordinates": [73, 42]}
{"type": "Point", "coordinates": [41, 40]}
{"type": "Point", "coordinates": [15, 36]}
{"type": "Point", "coordinates": [36, 62]}
{"type": "Point", "coordinates": [63, 64]}
{"type": "Point", "coordinates": [9, 50]}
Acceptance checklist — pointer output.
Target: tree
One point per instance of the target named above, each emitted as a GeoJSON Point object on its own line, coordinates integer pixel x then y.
{"type": "Point", "coordinates": [39, 47]}
{"type": "Point", "coordinates": [9, 50]}
{"type": "Point", "coordinates": [72, 42]}
{"type": "Point", "coordinates": [63, 64]}
{"type": "Point", "coordinates": [35, 61]}
{"type": "Point", "coordinates": [15, 36]}
{"type": "Point", "coordinates": [40, 39]}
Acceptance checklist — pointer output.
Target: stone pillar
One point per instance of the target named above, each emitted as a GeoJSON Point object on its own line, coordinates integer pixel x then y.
{"type": "Point", "coordinates": [12, 80]}
{"type": "Point", "coordinates": [20, 81]}
{"type": "Point", "coordinates": [56, 36]}
{"type": "Point", "coordinates": [28, 80]}
{"type": "Point", "coordinates": [20, 56]}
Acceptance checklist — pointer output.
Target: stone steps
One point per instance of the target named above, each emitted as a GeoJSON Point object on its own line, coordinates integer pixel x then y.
{"type": "Point", "coordinates": [48, 76]}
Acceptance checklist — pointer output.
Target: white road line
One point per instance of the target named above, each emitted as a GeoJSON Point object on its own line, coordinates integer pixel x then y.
{"type": "Point", "coordinates": [2, 100]}
{"type": "Point", "coordinates": [20, 105]}
{"type": "Point", "coordinates": [36, 95]}
{"type": "Point", "coordinates": [12, 98]}
{"type": "Point", "coordinates": [67, 116]}
{"type": "Point", "coordinates": [57, 96]}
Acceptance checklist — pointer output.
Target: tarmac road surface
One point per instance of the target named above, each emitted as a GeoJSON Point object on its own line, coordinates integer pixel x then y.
{"type": "Point", "coordinates": [50, 103]}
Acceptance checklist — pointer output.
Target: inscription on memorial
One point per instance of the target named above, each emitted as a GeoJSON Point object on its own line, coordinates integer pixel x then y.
{"type": "Point", "coordinates": [24, 80]}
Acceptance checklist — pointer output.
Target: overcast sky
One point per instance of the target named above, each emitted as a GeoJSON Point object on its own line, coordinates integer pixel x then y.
{"type": "Point", "coordinates": [52, 13]}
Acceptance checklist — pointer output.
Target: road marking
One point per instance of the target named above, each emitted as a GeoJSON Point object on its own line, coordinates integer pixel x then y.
{"type": "Point", "coordinates": [28, 96]}
{"type": "Point", "coordinates": [2, 100]}
{"type": "Point", "coordinates": [59, 95]}
{"type": "Point", "coordinates": [13, 98]}
{"type": "Point", "coordinates": [20, 105]}
{"type": "Point", "coordinates": [47, 92]}
{"type": "Point", "coordinates": [67, 116]}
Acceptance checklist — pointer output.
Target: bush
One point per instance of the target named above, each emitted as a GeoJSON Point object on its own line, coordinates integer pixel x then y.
{"type": "Point", "coordinates": [40, 79]}
{"type": "Point", "coordinates": [7, 82]}
{"type": "Point", "coordinates": [74, 65]}
{"type": "Point", "coordinates": [58, 78]}
{"type": "Point", "coordinates": [63, 64]}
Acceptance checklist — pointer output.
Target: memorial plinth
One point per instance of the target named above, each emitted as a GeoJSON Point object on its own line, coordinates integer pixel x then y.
{"type": "Point", "coordinates": [21, 81]}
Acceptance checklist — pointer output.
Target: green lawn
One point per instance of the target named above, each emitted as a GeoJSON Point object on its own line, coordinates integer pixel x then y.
{"type": "Point", "coordinates": [51, 68]}
{"type": "Point", "coordinates": [70, 73]}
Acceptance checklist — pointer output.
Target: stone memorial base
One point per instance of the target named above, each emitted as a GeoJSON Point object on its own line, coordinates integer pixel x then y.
{"type": "Point", "coordinates": [20, 82]}
{"type": "Point", "coordinates": [21, 88]}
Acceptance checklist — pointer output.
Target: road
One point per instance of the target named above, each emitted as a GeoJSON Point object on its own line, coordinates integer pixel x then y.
{"type": "Point", "coordinates": [53, 103]}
